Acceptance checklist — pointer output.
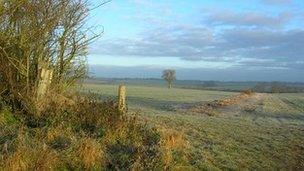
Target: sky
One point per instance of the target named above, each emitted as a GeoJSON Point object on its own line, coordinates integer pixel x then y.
{"type": "Point", "coordinates": [227, 40]}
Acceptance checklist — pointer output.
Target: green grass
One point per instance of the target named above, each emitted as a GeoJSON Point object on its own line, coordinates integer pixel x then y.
{"type": "Point", "coordinates": [188, 84]}
{"type": "Point", "coordinates": [6, 118]}
{"type": "Point", "coordinates": [156, 97]}
{"type": "Point", "coordinates": [270, 139]}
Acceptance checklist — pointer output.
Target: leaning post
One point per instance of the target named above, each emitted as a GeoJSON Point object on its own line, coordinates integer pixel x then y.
{"type": "Point", "coordinates": [122, 99]}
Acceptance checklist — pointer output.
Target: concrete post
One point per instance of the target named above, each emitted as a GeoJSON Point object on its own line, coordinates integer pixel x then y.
{"type": "Point", "coordinates": [44, 82]}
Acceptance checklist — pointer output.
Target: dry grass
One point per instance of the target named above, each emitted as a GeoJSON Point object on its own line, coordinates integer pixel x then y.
{"type": "Point", "coordinates": [87, 135]}
{"type": "Point", "coordinates": [30, 154]}
{"type": "Point", "coordinates": [173, 147]}
{"type": "Point", "coordinates": [210, 108]}
{"type": "Point", "coordinates": [90, 154]}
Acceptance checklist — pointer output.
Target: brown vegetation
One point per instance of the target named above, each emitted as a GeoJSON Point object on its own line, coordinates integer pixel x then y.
{"type": "Point", "coordinates": [86, 135]}
{"type": "Point", "coordinates": [209, 108]}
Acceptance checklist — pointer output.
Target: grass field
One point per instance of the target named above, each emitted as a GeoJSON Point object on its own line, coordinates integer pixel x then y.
{"type": "Point", "coordinates": [269, 138]}
{"type": "Point", "coordinates": [188, 84]}
{"type": "Point", "coordinates": [157, 98]}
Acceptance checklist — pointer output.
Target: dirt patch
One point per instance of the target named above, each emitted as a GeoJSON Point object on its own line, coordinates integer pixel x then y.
{"type": "Point", "coordinates": [210, 108]}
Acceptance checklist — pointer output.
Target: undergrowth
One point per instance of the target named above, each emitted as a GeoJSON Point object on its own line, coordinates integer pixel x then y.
{"type": "Point", "coordinates": [83, 133]}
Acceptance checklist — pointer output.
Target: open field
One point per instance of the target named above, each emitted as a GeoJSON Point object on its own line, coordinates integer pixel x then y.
{"type": "Point", "coordinates": [156, 97]}
{"type": "Point", "coordinates": [185, 84]}
{"type": "Point", "coordinates": [263, 131]}
{"type": "Point", "coordinates": [231, 86]}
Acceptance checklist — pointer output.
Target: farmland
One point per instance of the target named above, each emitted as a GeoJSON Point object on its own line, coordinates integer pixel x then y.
{"type": "Point", "coordinates": [268, 137]}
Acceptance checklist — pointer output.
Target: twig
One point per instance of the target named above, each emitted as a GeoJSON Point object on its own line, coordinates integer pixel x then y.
{"type": "Point", "coordinates": [101, 4]}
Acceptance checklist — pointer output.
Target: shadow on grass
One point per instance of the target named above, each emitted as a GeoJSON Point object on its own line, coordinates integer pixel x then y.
{"type": "Point", "coordinates": [163, 105]}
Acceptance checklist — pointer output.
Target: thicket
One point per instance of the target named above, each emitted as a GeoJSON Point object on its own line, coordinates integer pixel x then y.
{"type": "Point", "coordinates": [49, 34]}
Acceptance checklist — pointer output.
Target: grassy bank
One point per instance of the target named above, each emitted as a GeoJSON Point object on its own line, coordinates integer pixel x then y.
{"type": "Point", "coordinates": [82, 133]}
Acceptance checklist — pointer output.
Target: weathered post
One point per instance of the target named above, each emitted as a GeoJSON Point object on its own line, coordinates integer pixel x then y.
{"type": "Point", "coordinates": [44, 82]}
{"type": "Point", "coordinates": [122, 99]}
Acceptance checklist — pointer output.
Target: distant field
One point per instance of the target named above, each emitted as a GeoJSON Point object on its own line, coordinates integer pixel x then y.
{"type": "Point", "coordinates": [157, 97]}
{"type": "Point", "coordinates": [231, 86]}
{"type": "Point", "coordinates": [269, 138]}
{"type": "Point", "coordinates": [188, 84]}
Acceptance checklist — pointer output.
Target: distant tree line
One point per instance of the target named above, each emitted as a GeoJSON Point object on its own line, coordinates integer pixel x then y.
{"type": "Point", "coordinates": [277, 87]}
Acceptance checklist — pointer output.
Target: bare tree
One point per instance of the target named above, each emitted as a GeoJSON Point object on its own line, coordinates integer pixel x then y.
{"type": "Point", "coordinates": [169, 75]}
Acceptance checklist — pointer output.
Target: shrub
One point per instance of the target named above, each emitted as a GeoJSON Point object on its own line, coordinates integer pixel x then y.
{"type": "Point", "coordinates": [248, 92]}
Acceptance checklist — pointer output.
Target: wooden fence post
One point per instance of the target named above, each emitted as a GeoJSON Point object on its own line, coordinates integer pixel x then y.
{"type": "Point", "coordinates": [122, 99]}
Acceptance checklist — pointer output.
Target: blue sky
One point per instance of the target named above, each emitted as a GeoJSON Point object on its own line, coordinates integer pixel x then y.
{"type": "Point", "coordinates": [249, 39]}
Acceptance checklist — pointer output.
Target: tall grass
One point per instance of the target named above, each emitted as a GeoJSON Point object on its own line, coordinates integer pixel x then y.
{"type": "Point", "coordinates": [82, 133]}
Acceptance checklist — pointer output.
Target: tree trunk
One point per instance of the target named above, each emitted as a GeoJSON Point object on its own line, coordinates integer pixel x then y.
{"type": "Point", "coordinates": [169, 85]}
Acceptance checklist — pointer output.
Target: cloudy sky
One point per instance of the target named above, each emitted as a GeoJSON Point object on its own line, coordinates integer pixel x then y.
{"type": "Point", "coordinates": [239, 40]}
